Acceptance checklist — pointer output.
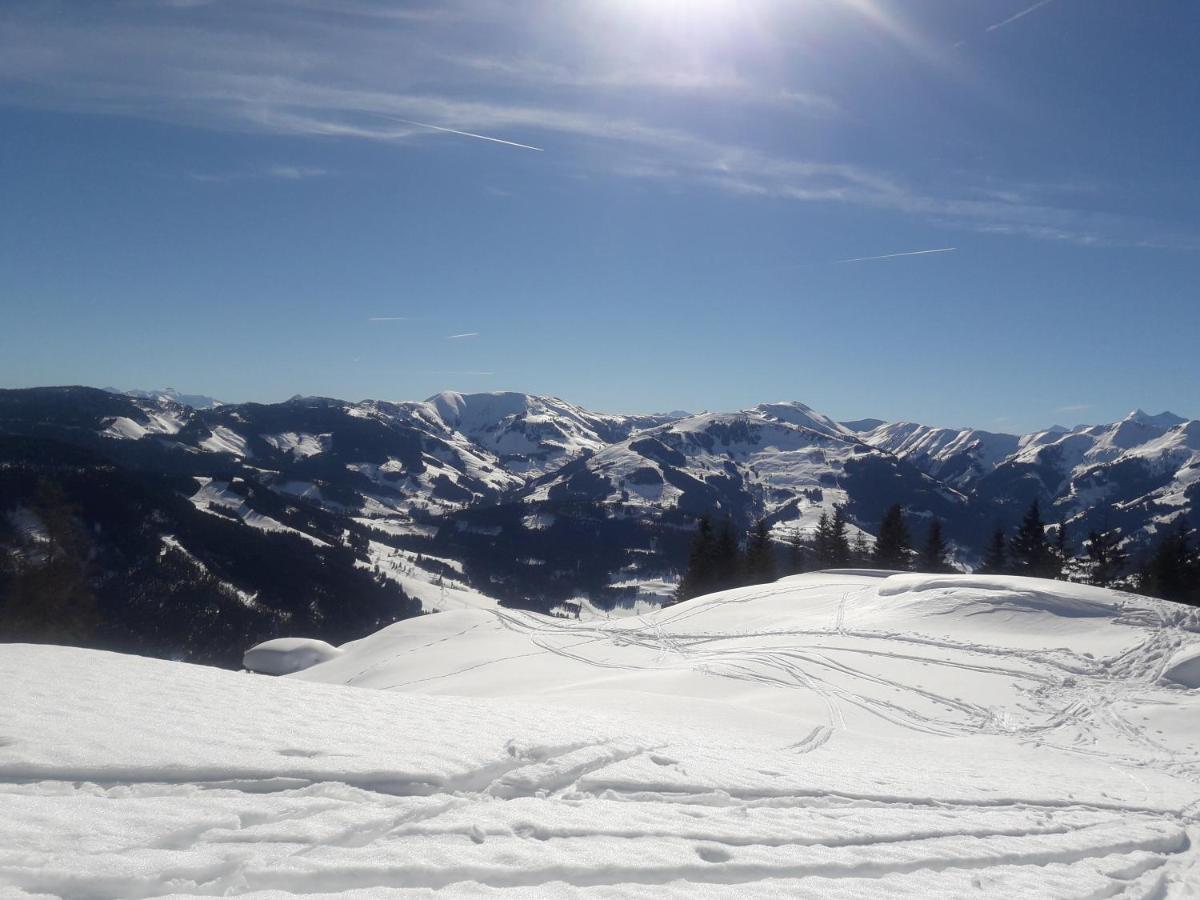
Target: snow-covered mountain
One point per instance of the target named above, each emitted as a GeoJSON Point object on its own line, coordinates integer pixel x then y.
{"type": "Point", "coordinates": [532, 435]}
{"type": "Point", "coordinates": [832, 735]}
{"type": "Point", "coordinates": [957, 457]}
{"type": "Point", "coordinates": [1136, 474]}
{"type": "Point", "coordinates": [781, 461]}
{"type": "Point", "coordinates": [467, 499]}
{"type": "Point", "coordinates": [196, 401]}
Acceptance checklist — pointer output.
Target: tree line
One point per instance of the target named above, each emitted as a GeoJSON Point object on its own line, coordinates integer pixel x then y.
{"type": "Point", "coordinates": [719, 560]}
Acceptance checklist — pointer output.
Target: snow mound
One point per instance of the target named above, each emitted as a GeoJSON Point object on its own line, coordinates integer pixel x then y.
{"type": "Point", "coordinates": [1003, 593]}
{"type": "Point", "coordinates": [283, 656]}
{"type": "Point", "coordinates": [1184, 667]}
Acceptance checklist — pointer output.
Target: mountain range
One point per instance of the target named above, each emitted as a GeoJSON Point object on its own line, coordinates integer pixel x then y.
{"type": "Point", "coordinates": [529, 500]}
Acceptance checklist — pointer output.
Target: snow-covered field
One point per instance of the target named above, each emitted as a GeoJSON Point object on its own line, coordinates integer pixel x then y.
{"type": "Point", "coordinates": [831, 735]}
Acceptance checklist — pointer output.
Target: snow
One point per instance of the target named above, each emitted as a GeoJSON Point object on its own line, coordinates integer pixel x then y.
{"type": "Point", "coordinates": [836, 734]}
{"type": "Point", "coordinates": [300, 445]}
{"type": "Point", "coordinates": [1184, 667]}
{"type": "Point", "coordinates": [225, 440]}
{"type": "Point", "coordinates": [419, 577]}
{"type": "Point", "coordinates": [213, 493]}
{"type": "Point", "coordinates": [530, 434]}
{"type": "Point", "coordinates": [283, 656]}
{"type": "Point", "coordinates": [784, 452]}
{"type": "Point", "coordinates": [161, 421]}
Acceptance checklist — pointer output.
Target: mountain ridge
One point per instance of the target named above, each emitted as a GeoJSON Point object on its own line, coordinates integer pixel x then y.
{"type": "Point", "coordinates": [531, 500]}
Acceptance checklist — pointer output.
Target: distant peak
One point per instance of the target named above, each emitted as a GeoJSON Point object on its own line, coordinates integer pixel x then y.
{"type": "Point", "coordinates": [863, 425]}
{"type": "Point", "coordinates": [195, 401]}
{"type": "Point", "coordinates": [1164, 419]}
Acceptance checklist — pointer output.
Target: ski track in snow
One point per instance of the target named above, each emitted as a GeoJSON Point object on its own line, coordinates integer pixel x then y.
{"type": "Point", "coordinates": [810, 738]}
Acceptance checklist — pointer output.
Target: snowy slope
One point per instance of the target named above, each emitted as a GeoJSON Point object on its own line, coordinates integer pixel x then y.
{"type": "Point", "coordinates": [832, 735]}
{"type": "Point", "coordinates": [780, 460]}
{"type": "Point", "coordinates": [957, 456]}
{"type": "Point", "coordinates": [531, 434]}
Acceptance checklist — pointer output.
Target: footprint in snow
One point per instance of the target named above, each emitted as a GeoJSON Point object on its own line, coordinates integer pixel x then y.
{"type": "Point", "coordinates": [713, 854]}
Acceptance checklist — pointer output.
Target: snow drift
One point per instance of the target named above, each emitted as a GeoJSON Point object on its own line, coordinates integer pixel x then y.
{"type": "Point", "coordinates": [283, 656]}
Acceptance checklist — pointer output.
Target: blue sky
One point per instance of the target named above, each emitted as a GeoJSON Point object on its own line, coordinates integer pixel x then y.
{"type": "Point", "coordinates": [235, 198]}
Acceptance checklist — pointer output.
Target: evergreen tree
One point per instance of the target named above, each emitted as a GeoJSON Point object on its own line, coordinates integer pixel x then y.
{"type": "Point", "coordinates": [1062, 550]}
{"type": "Point", "coordinates": [839, 544]}
{"type": "Point", "coordinates": [823, 539]}
{"type": "Point", "coordinates": [860, 550]}
{"type": "Point", "coordinates": [933, 554]}
{"type": "Point", "coordinates": [1173, 572]}
{"type": "Point", "coordinates": [796, 551]}
{"type": "Point", "coordinates": [995, 558]}
{"type": "Point", "coordinates": [699, 576]}
{"type": "Point", "coordinates": [1105, 558]}
{"type": "Point", "coordinates": [760, 556]}
{"type": "Point", "coordinates": [727, 559]}
{"type": "Point", "coordinates": [892, 544]}
{"type": "Point", "coordinates": [832, 542]}
{"type": "Point", "coordinates": [1029, 551]}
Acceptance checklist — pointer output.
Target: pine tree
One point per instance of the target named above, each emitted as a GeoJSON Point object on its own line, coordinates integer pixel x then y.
{"type": "Point", "coordinates": [860, 550]}
{"type": "Point", "coordinates": [727, 559]}
{"type": "Point", "coordinates": [892, 544]}
{"type": "Point", "coordinates": [1029, 550]}
{"type": "Point", "coordinates": [1061, 552]}
{"type": "Point", "coordinates": [699, 576]}
{"type": "Point", "coordinates": [995, 558]}
{"type": "Point", "coordinates": [1105, 558]}
{"type": "Point", "coordinates": [796, 551]}
{"type": "Point", "coordinates": [839, 545]}
{"type": "Point", "coordinates": [933, 554]}
{"type": "Point", "coordinates": [832, 543]}
{"type": "Point", "coordinates": [1173, 572]}
{"type": "Point", "coordinates": [822, 540]}
{"type": "Point", "coordinates": [760, 556]}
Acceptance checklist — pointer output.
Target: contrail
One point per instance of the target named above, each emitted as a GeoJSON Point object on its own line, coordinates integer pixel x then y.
{"type": "Point", "coordinates": [894, 255]}
{"type": "Point", "coordinates": [389, 319]}
{"type": "Point", "coordinates": [465, 334]}
{"type": "Point", "coordinates": [482, 137]}
{"type": "Point", "coordinates": [1019, 15]}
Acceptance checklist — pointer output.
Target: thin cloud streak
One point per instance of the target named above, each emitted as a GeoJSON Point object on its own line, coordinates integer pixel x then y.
{"type": "Point", "coordinates": [460, 373]}
{"type": "Point", "coordinates": [894, 255]}
{"type": "Point", "coordinates": [465, 334]}
{"type": "Point", "coordinates": [1075, 407]}
{"type": "Point", "coordinates": [470, 134]}
{"type": "Point", "coordinates": [1020, 15]}
{"type": "Point", "coordinates": [390, 319]}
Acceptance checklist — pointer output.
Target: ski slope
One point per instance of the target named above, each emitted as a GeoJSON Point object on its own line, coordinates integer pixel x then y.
{"type": "Point", "coordinates": [835, 734]}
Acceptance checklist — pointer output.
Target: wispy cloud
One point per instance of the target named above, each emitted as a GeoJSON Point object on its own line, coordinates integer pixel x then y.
{"type": "Point", "coordinates": [1074, 407]}
{"type": "Point", "coordinates": [465, 334]}
{"type": "Point", "coordinates": [699, 78]}
{"type": "Point", "coordinates": [390, 319]}
{"type": "Point", "coordinates": [894, 255]}
{"type": "Point", "coordinates": [295, 173]}
{"type": "Point", "coordinates": [459, 372]}
{"type": "Point", "coordinates": [282, 172]}
{"type": "Point", "coordinates": [1022, 14]}
{"type": "Point", "coordinates": [361, 76]}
